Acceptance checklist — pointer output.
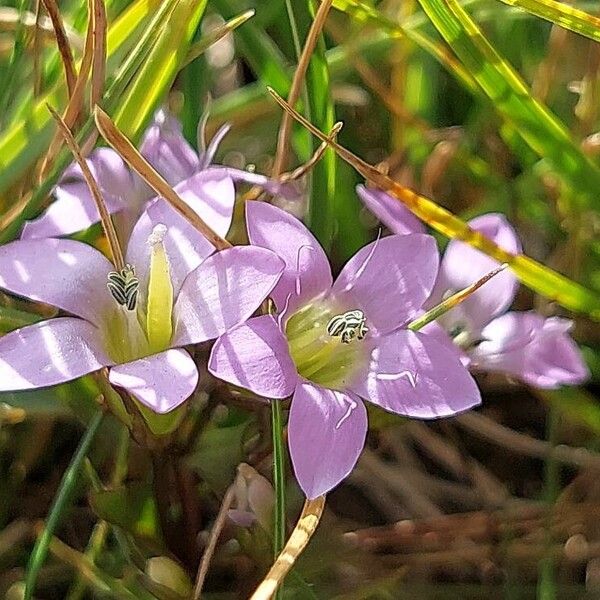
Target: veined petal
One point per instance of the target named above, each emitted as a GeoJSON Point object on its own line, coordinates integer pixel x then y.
{"type": "Point", "coordinates": [391, 212]}
{"type": "Point", "coordinates": [49, 353]}
{"type": "Point", "coordinates": [167, 150]}
{"type": "Point", "coordinates": [307, 272]}
{"type": "Point", "coordinates": [255, 356]}
{"type": "Point", "coordinates": [212, 197]}
{"type": "Point", "coordinates": [389, 279]}
{"type": "Point", "coordinates": [411, 374]}
{"type": "Point", "coordinates": [224, 291]}
{"type": "Point", "coordinates": [326, 434]}
{"type": "Point", "coordinates": [74, 208]}
{"type": "Point", "coordinates": [463, 265]}
{"type": "Point", "coordinates": [161, 382]}
{"type": "Point", "coordinates": [537, 350]}
{"type": "Point", "coordinates": [67, 274]}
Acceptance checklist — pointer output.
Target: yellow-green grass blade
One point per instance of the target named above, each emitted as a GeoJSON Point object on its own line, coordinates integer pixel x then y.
{"type": "Point", "coordinates": [161, 60]}
{"type": "Point", "coordinates": [24, 141]}
{"type": "Point", "coordinates": [561, 14]}
{"type": "Point", "coordinates": [533, 274]}
{"type": "Point", "coordinates": [542, 131]}
{"type": "Point", "coordinates": [159, 70]}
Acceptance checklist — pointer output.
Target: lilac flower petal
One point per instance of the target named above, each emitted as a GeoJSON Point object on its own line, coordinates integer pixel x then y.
{"type": "Point", "coordinates": [206, 158]}
{"type": "Point", "coordinates": [389, 279]}
{"type": "Point", "coordinates": [49, 353]}
{"type": "Point", "coordinates": [161, 382]}
{"type": "Point", "coordinates": [223, 292]}
{"type": "Point", "coordinates": [167, 150]}
{"type": "Point", "coordinates": [537, 350]}
{"type": "Point", "coordinates": [391, 212]}
{"type": "Point", "coordinates": [74, 208]}
{"type": "Point", "coordinates": [435, 331]}
{"type": "Point", "coordinates": [411, 374]}
{"type": "Point", "coordinates": [462, 265]}
{"type": "Point", "coordinates": [307, 271]}
{"type": "Point", "coordinates": [326, 434]}
{"type": "Point", "coordinates": [255, 356]}
{"type": "Point", "coordinates": [67, 274]}
{"type": "Point", "coordinates": [212, 196]}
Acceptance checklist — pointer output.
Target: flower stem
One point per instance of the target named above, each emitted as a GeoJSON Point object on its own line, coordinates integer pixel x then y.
{"type": "Point", "coordinates": [278, 479]}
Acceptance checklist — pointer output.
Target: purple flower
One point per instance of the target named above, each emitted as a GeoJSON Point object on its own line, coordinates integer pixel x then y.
{"type": "Point", "coordinates": [393, 214]}
{"type": "Point", "coordinates": [165, 148]}
{"type": "Point", "coordinates": [332, 343]}
{"type": "Point", "coordinates": [174, 291]}
{"type": "Point", "coordinates": [537, 350]}
{"type": "Point", "coordinates": [526, 345]}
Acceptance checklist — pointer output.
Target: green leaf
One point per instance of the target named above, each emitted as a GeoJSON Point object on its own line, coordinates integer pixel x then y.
{"type": "Point", "coordinates": [131, 507]}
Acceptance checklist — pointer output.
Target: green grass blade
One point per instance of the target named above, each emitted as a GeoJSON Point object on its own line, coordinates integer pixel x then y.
{"type": "Point", "coordinates": [159, 70]}
{"type": "Point", "coordinates": [25, 140]}
{"type": "Point", "coordinates": [561, 14]}
{"type": "Point", "coordinates": [543, 132]}
{"type": "Point", "coordinates": [59, 506]}
{"type": "Point", "coordinates": [322, 218]}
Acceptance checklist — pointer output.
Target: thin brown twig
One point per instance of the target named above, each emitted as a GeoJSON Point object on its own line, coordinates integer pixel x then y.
{"type": "Point", "coordinates": [519, 443]}
{"type": "Point", "coordinates": [215, 532]}
{"type": "Point", "coordinates": [111, 133]}
{"type": "Point", "coordinates": [62, 41]}
{"type": "Point", "coordinates": [99, 55]}
{"type": "Point", "coordinates": [107, 224]}
{"type": "Point", "coordinates": [75, 103]}
{"type": "Point", "coordinates": [37, 50]}
{"type": "Point", "coordinates": [294, 94]}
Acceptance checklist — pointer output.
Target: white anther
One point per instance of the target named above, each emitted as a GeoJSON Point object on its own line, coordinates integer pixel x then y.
{"type": "Point", "coordinates": [157, 235]}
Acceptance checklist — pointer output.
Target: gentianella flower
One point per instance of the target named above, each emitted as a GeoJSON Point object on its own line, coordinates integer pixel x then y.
{"type": "Point", "coordinates": [525, 345]}
{"type": "Point", "coordinates": [332, 343]}
{"type": "Point", "coordinates": [173, 291]}
{"type": "Point", "coordinates": [165, 148]}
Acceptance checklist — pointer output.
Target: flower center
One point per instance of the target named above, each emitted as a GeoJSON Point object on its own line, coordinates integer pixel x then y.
{"type": "Point", "coordinates": [323, 343]}
{"type": "Point", "coordinates": [132, 331]}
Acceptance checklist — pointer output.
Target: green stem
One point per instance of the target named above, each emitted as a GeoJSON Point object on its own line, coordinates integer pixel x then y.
{"type": "Point", "coordinates": [278, 479]}
{"type": "Point", "coordinates": [59, 506]}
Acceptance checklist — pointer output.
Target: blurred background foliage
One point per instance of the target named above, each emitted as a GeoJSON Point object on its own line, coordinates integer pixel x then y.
{"type": "Point", "coordinates": [500, 503]}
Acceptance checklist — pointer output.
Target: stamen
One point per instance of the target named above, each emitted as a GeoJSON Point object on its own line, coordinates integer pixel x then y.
{"type": "Point", "coordinates": [349, 326]}
{"type": "Point", "coordinates": [123, 286]}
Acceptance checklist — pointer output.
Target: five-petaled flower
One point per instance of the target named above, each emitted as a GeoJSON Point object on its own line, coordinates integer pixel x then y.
{"type": "Point", "coordinates": [173, 292]}
{"type": "Point", "coordinates": [331, 343]}
{"type": "Point", "coordinates": [525, 345]}
{"type": "Point", "coordinates": [192, 174]}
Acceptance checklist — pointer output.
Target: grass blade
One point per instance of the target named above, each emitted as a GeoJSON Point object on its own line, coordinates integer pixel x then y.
{"type": "Point", "coordinates": [542, 131]}
{"type": "Point", "coordinates": [59, 506]}
{"type": "Point", "coordinates": [533, 274]}
{"type": "Point", "coordinates": [561, 14]}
